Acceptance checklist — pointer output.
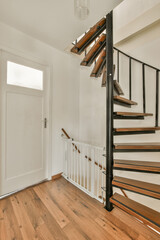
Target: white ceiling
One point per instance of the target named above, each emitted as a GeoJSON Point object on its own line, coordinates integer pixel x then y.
{"type": "Point", "coordinates": [52, 21]}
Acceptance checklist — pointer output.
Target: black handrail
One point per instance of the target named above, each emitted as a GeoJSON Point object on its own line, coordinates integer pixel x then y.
{"type": "Point", "coordinates": [144, 65]}
{"type": "Point", "coordinates": [137, 60]}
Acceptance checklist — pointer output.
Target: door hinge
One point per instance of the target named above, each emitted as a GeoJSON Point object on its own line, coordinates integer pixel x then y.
{"type": "Point", "coordinates": [45, 123]}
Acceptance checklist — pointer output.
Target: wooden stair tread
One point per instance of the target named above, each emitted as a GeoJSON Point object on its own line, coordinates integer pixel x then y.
{"type": "Point", "coordinates": [133, 114]}
{"type": "Point", "coordinates": [148, 189]}
{"type": "Point", "coordinates": [94, 51]}
{"type": "Point", "coordinates": [89, 37]}
{"type": "Point", "coordinates": [137, 165]}
{"type": "Point", "coordinates": [137, 129]}
{"type": "Point", "coordinates": [143, 213]}
{"type": "Point", "coordinates": [137, 145]}
{"type": "Point", "coordinates": [99, 64]}
{"type": "Point", "coordinates": [124, 100]}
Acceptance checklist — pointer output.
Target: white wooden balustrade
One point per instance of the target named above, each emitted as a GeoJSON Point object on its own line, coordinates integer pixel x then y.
{"type": "Point", "coordinates": [83, 166]}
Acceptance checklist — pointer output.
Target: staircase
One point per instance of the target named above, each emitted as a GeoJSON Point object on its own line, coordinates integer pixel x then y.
{"type": "Point", "coordinates": [99, 41]}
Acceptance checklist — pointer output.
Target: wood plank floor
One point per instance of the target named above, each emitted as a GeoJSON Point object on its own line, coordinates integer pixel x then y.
{"type": "Point", "coordinates": [58, 210]}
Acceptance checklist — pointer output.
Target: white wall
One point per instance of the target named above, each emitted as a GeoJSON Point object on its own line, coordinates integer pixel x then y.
{"type": "Point", "coordinates": [91, 109]}
{"type": "Point", "coordinates": [130, 17]}
{"type": "Point", "coordinates": [64, 72]}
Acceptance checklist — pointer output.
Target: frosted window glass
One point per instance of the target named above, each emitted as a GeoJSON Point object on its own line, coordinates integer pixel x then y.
{"type": "Point", "coordinates": [20, 75]}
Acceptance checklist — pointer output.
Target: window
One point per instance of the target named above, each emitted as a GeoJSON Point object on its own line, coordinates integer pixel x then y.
{"type": "Point", "coordinates": [20, 75]}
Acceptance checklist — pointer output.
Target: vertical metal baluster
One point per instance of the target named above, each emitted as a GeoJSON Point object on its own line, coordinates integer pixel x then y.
{"type": "Point", "coordinates": [144, 88]}
{"type": "Point", "coordinates": [130, 78]}
{"type": "Point", "coordinates": [157, 99]}
{"type": "Point", "coordinates": [117, 65]}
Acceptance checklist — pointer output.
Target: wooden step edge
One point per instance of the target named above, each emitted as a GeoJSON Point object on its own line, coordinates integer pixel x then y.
{"type": "Point", "coordinates": [137, 210]}
{"type": "Point", "coordinates": [142, 166]}
{"type": "Point", "coordinates": [140, 187]}
{"type": "Point", "coordinates": [133, 165]}
{"type": "Point", "coordinates": [94, 51]}
{"type": "Point", "coordinates": [133, 114]}
{"type": "Point", "coordinates": [136, 146]}
{"type": "Point", "coordinates": [89, 37]}
{"type": "Point", "coordinates": [100, 64]}
{"type": "Point", "coordinates": [137, 129]}
{"type": "Point", "coordinates": [124, 100]}
{"type": "Point", "coordinates": [83, 63]}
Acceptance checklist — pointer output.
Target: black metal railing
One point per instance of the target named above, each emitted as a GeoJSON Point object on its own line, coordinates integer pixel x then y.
{"type": "Point", "coordinates": [109, 110]}
{"type": "Point", "coordinates": [109, 100]}
{"type": "Point", "coordinates": [144, 65]}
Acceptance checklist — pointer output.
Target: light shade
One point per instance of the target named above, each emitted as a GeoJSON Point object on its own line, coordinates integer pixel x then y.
{"type": "Point", "coordinates": [81, 9]}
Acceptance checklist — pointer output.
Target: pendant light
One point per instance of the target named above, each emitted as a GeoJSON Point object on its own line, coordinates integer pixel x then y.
{"type": "Point", "coordinates": [81, 8]}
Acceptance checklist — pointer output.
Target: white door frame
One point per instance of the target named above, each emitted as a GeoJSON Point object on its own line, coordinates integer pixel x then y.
{"type": "Point", "coordinates": [48, 147]}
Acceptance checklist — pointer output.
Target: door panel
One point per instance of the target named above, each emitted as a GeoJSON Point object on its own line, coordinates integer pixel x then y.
{"type": "Point", "coordinates": [24, 124]}
{"type": "Point", "coordinates": [23, 158]}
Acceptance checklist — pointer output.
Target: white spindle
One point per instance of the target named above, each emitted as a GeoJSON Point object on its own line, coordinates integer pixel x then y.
{"type": "Point", "coordinates": [92, 171]}
{"type": "Point", "coordinates": [80, 158]}
{"type": "Point", "coordinates": [74, 164]}
{"type": "Point", "coordinates": [77, 163]}
{"type": "Point", "coordinates": [87, 163]}
{"type": "Point", "coordinates": [97, 173]}
{"type": "Point", "coordinates": [69, 158]}
{"type": "Point", "coordinates": [84, 168]}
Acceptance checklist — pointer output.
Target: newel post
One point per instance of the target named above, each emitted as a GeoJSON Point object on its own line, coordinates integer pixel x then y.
{"type": "Point", "coordinates": [109, 110]}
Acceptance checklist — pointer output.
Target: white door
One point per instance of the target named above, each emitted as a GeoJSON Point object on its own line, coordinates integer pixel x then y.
{"type": "Point", "coordinates": [23, 123]}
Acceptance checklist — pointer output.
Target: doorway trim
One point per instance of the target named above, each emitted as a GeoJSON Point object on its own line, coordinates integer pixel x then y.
{"type": "Point", "coordinates": [33, 59]}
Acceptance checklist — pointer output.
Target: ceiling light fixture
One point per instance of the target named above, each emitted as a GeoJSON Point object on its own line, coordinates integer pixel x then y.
{"type": "Point", "coordinates": [81, 8]}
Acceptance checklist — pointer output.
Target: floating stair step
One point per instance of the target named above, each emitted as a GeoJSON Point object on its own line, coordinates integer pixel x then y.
{"type": "Point", "coordinates": [144, 188]}
{"type": "Point", "coordinates": [89, 37]}
{"type": "Point", "coordinates": [137, 147]}
{"type": "Point", "coordinates": [94, 51]}
{"type": "Point", "coordinates": [131, 115]}
{"type": "Point", "coordinates": [128, 131]}
{"type": "Point", "coordinates": [137, 166]}
{"type": "Point", "coordinates": [123, 101]}
{"type": "Point", "coordinates": [149, 216]}
{"type": "Point", "coordinates": [118, 88]}
{"type": "Point", "coordinates": [100, 64]}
